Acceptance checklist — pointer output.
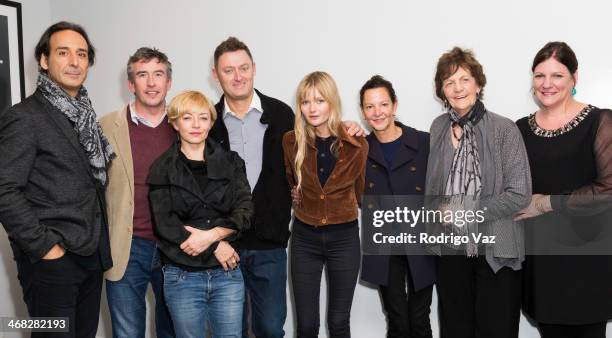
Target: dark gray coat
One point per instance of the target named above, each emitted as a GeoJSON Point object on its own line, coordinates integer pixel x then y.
{"type": "Point", "coordinates": [48, 194]}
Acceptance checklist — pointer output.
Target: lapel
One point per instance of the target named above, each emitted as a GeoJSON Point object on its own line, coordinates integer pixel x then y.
{"type": "Point", "coordinates": [408, 148]}
{"type": "Point", "coordinates": [266, 115]}
{"type": "Point", "coordinates": [309, 166]}
{"type": "Point", "coordinates": [217, 168]}
{"type": "Point", "coordinates": [121, 140]}
{"type": "Point", "coordinates": [345, 144]}
{"type": "Point", "coordinates": [375, 151]}
{"type": "Point", "coordinates": [62, 123]}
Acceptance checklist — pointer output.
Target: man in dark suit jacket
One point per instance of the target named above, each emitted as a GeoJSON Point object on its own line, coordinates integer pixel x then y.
{"type": "Point", "coordinates": [52, 186]}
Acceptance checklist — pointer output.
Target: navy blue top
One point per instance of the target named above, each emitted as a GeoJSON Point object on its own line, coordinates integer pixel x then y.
{"type": "Point", "coordinates": [390, 149]}
{"type": "Point", "coordinates": [326, 160]}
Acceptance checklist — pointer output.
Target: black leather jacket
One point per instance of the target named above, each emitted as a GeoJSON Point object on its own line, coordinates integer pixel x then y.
{"type": "Point", "coordinates": [177, 200]}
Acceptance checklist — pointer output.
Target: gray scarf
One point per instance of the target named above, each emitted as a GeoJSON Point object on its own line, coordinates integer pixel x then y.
{"type": "Point", "coordinates": [79, 111]}
{"type": "Point", "coordinates": [464, 182]}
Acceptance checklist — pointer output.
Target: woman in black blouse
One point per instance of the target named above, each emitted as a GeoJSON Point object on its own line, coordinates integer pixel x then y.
{"type": "Point", "coordinates": [569, 144]}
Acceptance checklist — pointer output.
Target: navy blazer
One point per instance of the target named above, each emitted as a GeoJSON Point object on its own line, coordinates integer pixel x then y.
{"type": "Point", "coordinates": [406, 176]}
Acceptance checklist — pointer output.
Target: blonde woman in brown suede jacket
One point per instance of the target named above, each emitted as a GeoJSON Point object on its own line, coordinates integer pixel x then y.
{"type": "Point", "coordinates": [325, 167]}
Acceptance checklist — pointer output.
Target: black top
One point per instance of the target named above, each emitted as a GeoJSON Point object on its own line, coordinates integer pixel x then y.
{"type": "Point", "coordinates": [198, 170]}
{"type": "Point", "coordinates": [326, 160]}
{"type": "Point", "coordinates": [271, 194]}
{"type": "Point", "coordinates": [572, 161]}
{"type": "Point", "coordinates": [390, 149]}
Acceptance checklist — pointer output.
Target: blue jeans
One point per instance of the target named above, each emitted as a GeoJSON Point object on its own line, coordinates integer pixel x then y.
{"type": "Point", "coordinates": [126, 297]}
{"type": "Point", "coordinates": [205, 298]}
{"type": "Point", "coordinates": [265, 278]}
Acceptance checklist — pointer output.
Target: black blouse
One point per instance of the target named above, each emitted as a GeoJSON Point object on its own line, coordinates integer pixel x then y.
{"type": "Point", "coordinates": [573, 164]}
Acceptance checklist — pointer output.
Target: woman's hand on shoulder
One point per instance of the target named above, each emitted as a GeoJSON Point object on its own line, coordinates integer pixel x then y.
{"type": "Point", "coordinates": [353, 129]}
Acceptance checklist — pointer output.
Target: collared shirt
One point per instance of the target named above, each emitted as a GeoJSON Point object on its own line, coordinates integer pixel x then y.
{"type": "Point", "coordinates": [139, 119]}
{"type": "Point", "coordinates": [246, 137]}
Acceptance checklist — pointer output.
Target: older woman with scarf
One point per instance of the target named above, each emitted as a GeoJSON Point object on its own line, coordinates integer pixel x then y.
{"type": "Point", "coordinates": [477, 162]}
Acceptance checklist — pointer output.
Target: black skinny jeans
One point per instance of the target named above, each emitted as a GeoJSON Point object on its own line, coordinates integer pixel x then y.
{"type": "Point", "coordinates": [336, 246]}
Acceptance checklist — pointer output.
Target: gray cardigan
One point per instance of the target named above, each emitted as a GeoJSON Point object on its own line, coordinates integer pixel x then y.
{"type": "Point", "coordinates": [506, 182]}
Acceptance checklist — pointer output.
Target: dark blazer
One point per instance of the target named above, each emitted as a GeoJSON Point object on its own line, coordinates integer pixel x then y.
{"type": "Point", "coordinates": [271, 194]}
{"type": "Point", "coordinates": [406, 176]}
{"type": "Point", "coordinates": [337, 201]}
{"type": "Point", "coordinates": [177, 200]}
{"type": "Point", "coordinates": [48, 194]}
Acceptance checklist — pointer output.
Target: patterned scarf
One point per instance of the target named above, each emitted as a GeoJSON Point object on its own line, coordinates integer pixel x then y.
{"type": "Point", "coordinates": [80, 112]}
{"type": "Point", "coordinates": [464, 182]}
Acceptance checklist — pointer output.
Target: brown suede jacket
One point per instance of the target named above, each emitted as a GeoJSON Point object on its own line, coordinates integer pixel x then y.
{"type": "Point", "coordinates": [337, 201]}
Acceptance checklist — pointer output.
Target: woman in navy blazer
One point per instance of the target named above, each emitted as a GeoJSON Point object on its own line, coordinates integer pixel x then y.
{"type": "Point", "coordinates": [397, 163]}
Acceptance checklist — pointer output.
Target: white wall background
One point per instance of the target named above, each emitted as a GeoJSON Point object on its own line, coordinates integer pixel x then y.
{"type": "Point", "coordinates": [352, 40]}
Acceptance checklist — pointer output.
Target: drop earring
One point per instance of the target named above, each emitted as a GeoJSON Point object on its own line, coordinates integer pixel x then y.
{"type": "Point", "coordinates": [574, 91]}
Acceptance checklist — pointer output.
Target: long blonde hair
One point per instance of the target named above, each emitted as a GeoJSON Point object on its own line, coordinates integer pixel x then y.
{"type": "Point", "coordinates": [326, 86]}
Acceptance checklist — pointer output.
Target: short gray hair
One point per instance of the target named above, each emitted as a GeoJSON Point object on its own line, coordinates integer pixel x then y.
{"type": "Point", "coordinates": [147, 54]}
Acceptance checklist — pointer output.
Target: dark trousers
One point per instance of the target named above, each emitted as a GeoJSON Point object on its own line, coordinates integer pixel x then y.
{"type": "Point", "coordinates": [474, 302]}
{"type": "Point", "coordinates": [62, 288]}
{"type": "Point", "coordinates": [311, 249]}
{"type": "Point", "coordinates": [596, 330]}
{"type": "Point", "coordinates": [407, 311]}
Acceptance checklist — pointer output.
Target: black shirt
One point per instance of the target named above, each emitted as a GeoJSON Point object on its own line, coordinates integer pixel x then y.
{"type": "Point", "coordinates": [198, 169]}
{"type": "Point", "coordinates": [326, 160]}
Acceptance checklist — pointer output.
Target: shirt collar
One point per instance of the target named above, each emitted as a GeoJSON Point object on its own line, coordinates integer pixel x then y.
{"type": "Point", "coordinates": [137, 119]}
{"type": "Point", "coordinates": [255, 104]}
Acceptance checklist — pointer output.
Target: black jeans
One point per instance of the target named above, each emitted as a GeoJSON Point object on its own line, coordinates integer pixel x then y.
{"type": "Point", "coordinates": [336, 246]}
{"type": "Point", "coordinates": [596, 330]}
{"type": "Point", "coordinates": [407, 311]}
{"type": "Point", "coordinates": [62, 288]}
{"type": "Point", "coordinates": [474, 302]}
